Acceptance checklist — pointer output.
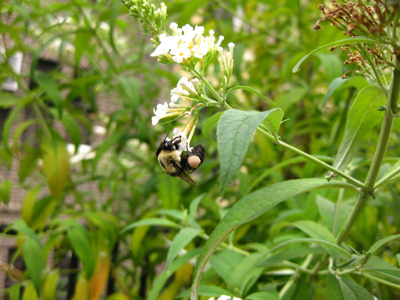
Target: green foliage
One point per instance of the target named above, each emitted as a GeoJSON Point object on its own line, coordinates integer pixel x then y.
{"type": "Point", "coordinates": [264, 222]}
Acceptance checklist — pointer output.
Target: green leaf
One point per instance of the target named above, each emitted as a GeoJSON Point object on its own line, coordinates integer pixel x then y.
{"type": "Point", "coordinates": [180, 241]}
{"type": "Point", "coordinates": [28, 164]}
{"type": "Point", "coordinates": [334, 248]}
{"type": "Point", "coordinates": [210, 123]}
{"type": "Point", "coordinates": [208, 291]}
{"type": "Point", "coordinates": [362, 118]}
{"type": "Point", "coordinates": [332, 64]}
{"type": "Point", "coordinates": [333, 291]}
{"type": "Point", "coordinates": [56, 166]}
{"type": "Point", "coordinates": [348, 41]}
{"type": "Point", "coordinates": [81, 43]}
{"type": "Point", "coordinates": [248, 88]}
{"type": "Point", "coordinates": [5, 191]}
{"type": "Point", "coordinates": [28, 204]}
{"type": "Point", "coordinates": [41, 211]}
{"type": "Point", "coordinates": [167, 272]}
{"type": "Point", "coordinates": [73, 129]}
{"type": "Point", "coordinates": [318, 231]}
{"type": "Point", "coordinates": [34, 262]}
{"type": "Point", "coordinates": [113, 139]}
{"type": "Point", "coordinates": [49, 286]}
{"type": "Point", "coordinates": [118, 296]}
{"type": "Point", "coordinates": [113, 19]}
{"type": "Point", "coordinates": [8, 100]}
{"type": "Point", "coordinates": [20, 226]}
{"type": "Point", "coordinates": [22, 127]}
{"type": "Point", "coordinates": [251, 207]}
{"type": "Point", "coordinates": [263, 296]}
{"type": "Point", "coordinates": [51, 88]}
{"type": "Point", "coordinates": [383, 242]}
{"type": "Point", "coordinates": [30, 293]}
{"type": "Point", "coordinates": [352, 290]}
{"type": "Point", "coordinates": [382, 269]}
{"type": "Point", "coordinates": [224, 262]}
{"type": "Point", "coordinates": [335, 84]}
{"type": "Point", "coordinates": [149, 222]}
{"type": "Point", "coordinates": [235, 129]}
{"type": "Point", "coordinates": [237, 279]}
{"type": "Point", "coordinates": [80, 242]}
{"type": "Point", "coordinates": [8, 123]}
{"type": "Point", "coordinates": [15, 291]}
{"type": "Point", "coordinates": [131, 88]}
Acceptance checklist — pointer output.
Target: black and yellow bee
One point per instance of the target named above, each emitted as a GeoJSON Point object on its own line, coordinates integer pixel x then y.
{"type": "Point", "coordinates": [179, 163]}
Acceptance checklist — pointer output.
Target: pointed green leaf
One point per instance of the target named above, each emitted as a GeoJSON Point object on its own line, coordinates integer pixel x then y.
{"type": "Point", "coordinates": [237, 277]}
{"type": "Point", "coordinates": [362, 118]}
{"type": "Point", "coordinates": [50, 86]}
{"type": "Point", "coordinates": [248, 88]}
{"type": "Point", "coordinates": [318, 231]}
{"type": "Point", "coordinates": [383, 242]}
{"type": "Point", "coordinates": [348, 41]}
{"type": "Point", "coordinates": [150, 222]}
{"type": "Point", "coordinates": [73, 129]}
{"type": "Point", "coordinates": [251, 207]}
{"type": "Point", "coordinates": [235, 129]}
{"type": "Point", "coordinates": [34, 262]}
{"type": "Point", "coordinates": [168, 272]}
{"type": "Point", "coordinates": [333, 291]}
{"type": "Point", "coordinates": [8, 123]}
{"type": "Point", "coordinates": [339, 82]}
{"type": "Point", "coordinates": [56, 166]}
{"type": "Point", "coordinates": [30, 293]}
{"type": "Point", "coordinates": [263, 296]}
{"type": "Point", "coordinates": [80, 242]}
{"type": "Point", "coordinates": [8, 100]}
{"type": "Point", "coordinates": [224, 262]}
{"type": "Point", "coordinates": [15, 292]}
{"type": "Point", "coordinates": [81, 43]}
{"type": "Point", "coordinates": [382, 269]}
{"type": "Point", "coordinates": [352, 290]}
{"type": "Point", "coordinates": [20, 226]}
{"type": "Point", "coordinates": [28, 164]}
{"type": "Point", "coordinates": [50, 285]}
{"type": "Point", "coordinates": [180, 241]}
{"type": "Point", "coordinates": [5, 191]}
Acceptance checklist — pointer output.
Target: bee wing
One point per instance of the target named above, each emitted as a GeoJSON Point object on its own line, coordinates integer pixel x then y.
{"type": "Point", "coordinates": [187, 178]}
{"type": "Point", "coordinates": [181, 174]}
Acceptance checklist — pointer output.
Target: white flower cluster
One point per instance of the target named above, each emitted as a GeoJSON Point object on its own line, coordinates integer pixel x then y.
{"type": "Point", "coordinates": [224, 297]}
{"type": "Point", "coordinates": [186, 44]}
{"type": "Point", "coordinates": [185, 92]}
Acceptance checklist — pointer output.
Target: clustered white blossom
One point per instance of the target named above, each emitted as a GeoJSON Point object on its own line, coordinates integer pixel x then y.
{"type": "Point", "coordinates": [186, 44]}
{"type": "Point", "coordinates": [194, 51]}
{"type": "Point", "coordinates": [186, 92]}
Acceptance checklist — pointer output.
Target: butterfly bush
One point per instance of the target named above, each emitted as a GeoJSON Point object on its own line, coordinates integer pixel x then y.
{"type": "Point", "coordinates": [193, 51]}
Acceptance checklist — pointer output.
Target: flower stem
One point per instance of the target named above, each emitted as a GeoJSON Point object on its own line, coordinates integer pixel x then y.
{"type": "Point", "coordinates": [313, 159]}
{"type": "Point", "coordinates": [386, 129]}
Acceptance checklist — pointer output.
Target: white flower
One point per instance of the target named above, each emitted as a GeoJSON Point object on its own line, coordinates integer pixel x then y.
{"type": "Point", "coordinates": [186, 42]}
{"type": "Point", "coordinates": [178, 54]}
{"type": "Point", "coordinates": [200, 49]}
{"type": "Point", "coordinates": [224, 297]}
{"type": "Point", "coordinates": [159, 113]}
{"type": "Point", "coordinates": [183, 146]}
{"type": "Point", "coordinates": [184, 90]}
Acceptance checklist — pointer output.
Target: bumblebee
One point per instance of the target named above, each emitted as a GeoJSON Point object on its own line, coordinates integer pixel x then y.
{"type": "Point", "coordinates": [178, 163]}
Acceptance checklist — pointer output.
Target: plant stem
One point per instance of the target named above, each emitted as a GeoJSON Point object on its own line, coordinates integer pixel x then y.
{"type": "Point", "coordinates": [387, 177]}
{"type": "Point", "coordinates": [337, 212]}
{"type": "Point", "coordinates": [386, 129]}
{"type": "Point", "coordinates": [313, 159]}
{"type": "Point", "coordinates": [292, 279]}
